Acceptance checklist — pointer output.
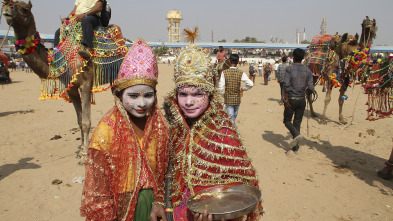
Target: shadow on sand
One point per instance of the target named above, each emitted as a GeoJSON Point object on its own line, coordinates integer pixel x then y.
{"type": "Point", "coordinates": [23, 164]}
{"type": "Point", "coordinates": [361, 164]}
{"type": "Point", "coordinates": [3, 114]}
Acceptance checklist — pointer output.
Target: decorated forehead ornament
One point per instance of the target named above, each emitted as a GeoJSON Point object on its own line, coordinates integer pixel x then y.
{"type": "Point", "coordinates": [8, 2]}
{"type": "Point", "coordinates": [138, 67]}
{"type": "Point", "coordinates": [193, 65]}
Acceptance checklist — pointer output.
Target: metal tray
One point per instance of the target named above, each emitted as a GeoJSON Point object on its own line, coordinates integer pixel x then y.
{"type": "Point", "coordinates": [232, 203]}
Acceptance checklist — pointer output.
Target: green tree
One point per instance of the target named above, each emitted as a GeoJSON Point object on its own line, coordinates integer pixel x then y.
{"type": "Point", "coordinates": [305, 42]}
{"type": "Point", "coordinates": [248, 39]}
{"type": "Point", "coordinates": [161, 50]}
{"type": "Point", "coordinates": [223, 40]}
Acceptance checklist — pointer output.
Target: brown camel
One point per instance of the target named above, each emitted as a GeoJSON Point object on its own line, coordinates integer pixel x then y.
{"type": "Point", "coordinates": [339, 48]}
{"type": "Point", "coordinates": [18, 15]}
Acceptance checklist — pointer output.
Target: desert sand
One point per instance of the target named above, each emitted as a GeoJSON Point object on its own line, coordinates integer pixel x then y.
{"type": "Point", "coordinates": [333, 176]}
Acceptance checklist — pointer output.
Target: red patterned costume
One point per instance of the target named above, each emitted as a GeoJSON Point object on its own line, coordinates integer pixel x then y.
{"type": "Point", "coordinates": [119, 164]}
{"type": "Point", "coordinates": [209, 152]}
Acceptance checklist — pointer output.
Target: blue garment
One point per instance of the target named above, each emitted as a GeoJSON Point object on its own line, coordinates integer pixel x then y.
{"type": "Point", "coordinates": [232, 111]}
{"type": "Point", "coordinates": [89, 23]}
{"type": "Point", "coordinates": [297, 79]}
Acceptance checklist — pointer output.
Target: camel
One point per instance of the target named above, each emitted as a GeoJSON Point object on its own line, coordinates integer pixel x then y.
{"type": "Point", "coordinates": [378, 86]}
{"type": "Point", "coordinates": [18, 15]}
{"type": "Point", "coordinates": [337, 49]}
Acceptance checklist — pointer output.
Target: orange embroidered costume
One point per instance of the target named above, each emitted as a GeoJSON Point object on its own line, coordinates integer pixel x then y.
{"type": "Point", "coordinates": [209, 152]}
{"type": "Point", "coordinates": [120, 165]}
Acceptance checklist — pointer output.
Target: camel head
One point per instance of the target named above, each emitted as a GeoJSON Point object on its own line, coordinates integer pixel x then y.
{"type": "Point", "coordinates": [18, 14]}
{"type": "Point", "coordinates": [369, 31]}
{"type": "Point", "coordinates": [344, 44]}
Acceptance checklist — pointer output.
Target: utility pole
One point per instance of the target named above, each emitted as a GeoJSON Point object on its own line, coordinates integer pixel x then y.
{"type": "Point", "coordinates": [212, 36]}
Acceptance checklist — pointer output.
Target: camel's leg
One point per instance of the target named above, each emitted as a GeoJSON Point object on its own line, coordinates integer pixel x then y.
{"type": "Point", "coordinates": [85, 91]}
{"type": "Point", "coordinates": [315, 79]}
{"type": "Point", "coordinates": [311, 106]}
{"type": "Point", "coordinates": [340, 107]}
{"type": "Point", "coordinates": [327, 101]}
{"type": "Point", "coordinates": [73, 93]}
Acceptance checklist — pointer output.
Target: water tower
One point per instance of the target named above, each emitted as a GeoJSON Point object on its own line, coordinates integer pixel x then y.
{"type": "Point", "coordinates": [174, 18]}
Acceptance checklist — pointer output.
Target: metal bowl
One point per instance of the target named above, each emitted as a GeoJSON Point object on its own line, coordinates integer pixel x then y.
{"type": "Point", "coordinates": [232, 203]}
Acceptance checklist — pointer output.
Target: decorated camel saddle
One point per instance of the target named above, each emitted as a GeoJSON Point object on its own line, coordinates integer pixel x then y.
{"type": "Point", "coordinates": [324, 60]}
{"type": "Point", "coordinates": [107, 55]}
{"type": "Point", "coordinates": [321, 57]}
{"type": "Point", "coordinates": [319, 53]}
{"type": "Point", "coordinates": [377, 81]}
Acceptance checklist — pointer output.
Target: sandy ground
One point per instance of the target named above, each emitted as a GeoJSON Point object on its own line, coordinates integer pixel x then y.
{"type": "Point", "coordinates": [333, 177]}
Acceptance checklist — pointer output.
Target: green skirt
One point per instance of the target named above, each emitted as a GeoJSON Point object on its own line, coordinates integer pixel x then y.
{"type": "Point", "coordinates": [144, 204]}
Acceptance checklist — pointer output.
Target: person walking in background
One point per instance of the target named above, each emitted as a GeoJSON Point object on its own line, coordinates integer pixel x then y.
{"type": "Point", "coordinates": [280, 76]}
{"type": "Point", "coordinates": [269, 77]}
{"type": "Point", "coordinates": [266, 74]}
{"type": "Point", "coordinates": [221, 57]}
{"type": "Point", "coordinates": [252, 72]}
{"type": "Point", "coordinates": [18, 65]}
{"type": "Point", "coordinates": [275, 67]}
{"type": "Point", "coordinates": [230, 86]}
{"type": "Point", "coordinates": [12, 65]}
{"type": "Point", "coordinates": [260, 66]}
{"type": "Point", "coordinates": [298, 79]}
{"type": "Point", "coordinates": [27, 68]}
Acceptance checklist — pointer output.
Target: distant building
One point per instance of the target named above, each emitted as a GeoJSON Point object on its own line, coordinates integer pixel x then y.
{"type": "Point", "coordinates": [300, 36]}
{"type": "Point", "coordinates": [323, 27]}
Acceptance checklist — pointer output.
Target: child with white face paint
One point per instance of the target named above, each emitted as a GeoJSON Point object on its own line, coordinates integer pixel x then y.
{"type": "Point", "coordinates": [138, 100]}
{"type": "Point", "coordinates": [128, 153]}
{"type": "Point", "coordinates": [205, 145]}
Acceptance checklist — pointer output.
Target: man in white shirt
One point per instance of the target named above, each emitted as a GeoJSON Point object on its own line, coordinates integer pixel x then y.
{"type": "Point", "coordinates": [230, 86]}
{"type": "Point", "coordinates": [88, 12]}
{"type": "Point", "coordinates": [260, 66]}
{"type": "Point", "coordinates": [275, 67]}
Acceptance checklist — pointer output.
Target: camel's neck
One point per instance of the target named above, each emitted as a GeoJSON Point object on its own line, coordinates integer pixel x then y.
{"type": "Point", "coordinates": [36, 60]}
{"type": "Point", "coordinates": [365, 38]}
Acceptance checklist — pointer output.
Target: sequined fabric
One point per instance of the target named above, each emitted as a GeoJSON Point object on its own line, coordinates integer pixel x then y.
{"type": "Point", "coordinates": [208, 153]}
{"type": "Point", "coordinates": [139, 67]}
{"type": "Point", "coordinates": [118, 165]}
{"type": "Point", "coordinates": [192, 66]}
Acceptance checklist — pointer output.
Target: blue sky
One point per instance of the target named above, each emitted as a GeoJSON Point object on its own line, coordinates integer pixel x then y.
{"type": "Point", "coordinates": [231, 19]}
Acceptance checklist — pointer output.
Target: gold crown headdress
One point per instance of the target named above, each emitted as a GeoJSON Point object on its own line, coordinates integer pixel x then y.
{"type": "Point", "coordinates": [193, 65]}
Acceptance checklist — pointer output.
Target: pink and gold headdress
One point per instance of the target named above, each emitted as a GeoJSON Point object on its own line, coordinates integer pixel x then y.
{"type": "Point", "coordinates": [139, 67]}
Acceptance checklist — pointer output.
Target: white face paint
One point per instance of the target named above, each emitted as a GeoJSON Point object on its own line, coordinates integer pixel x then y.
{"type": "Point", "coordinates": [138, 99]}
